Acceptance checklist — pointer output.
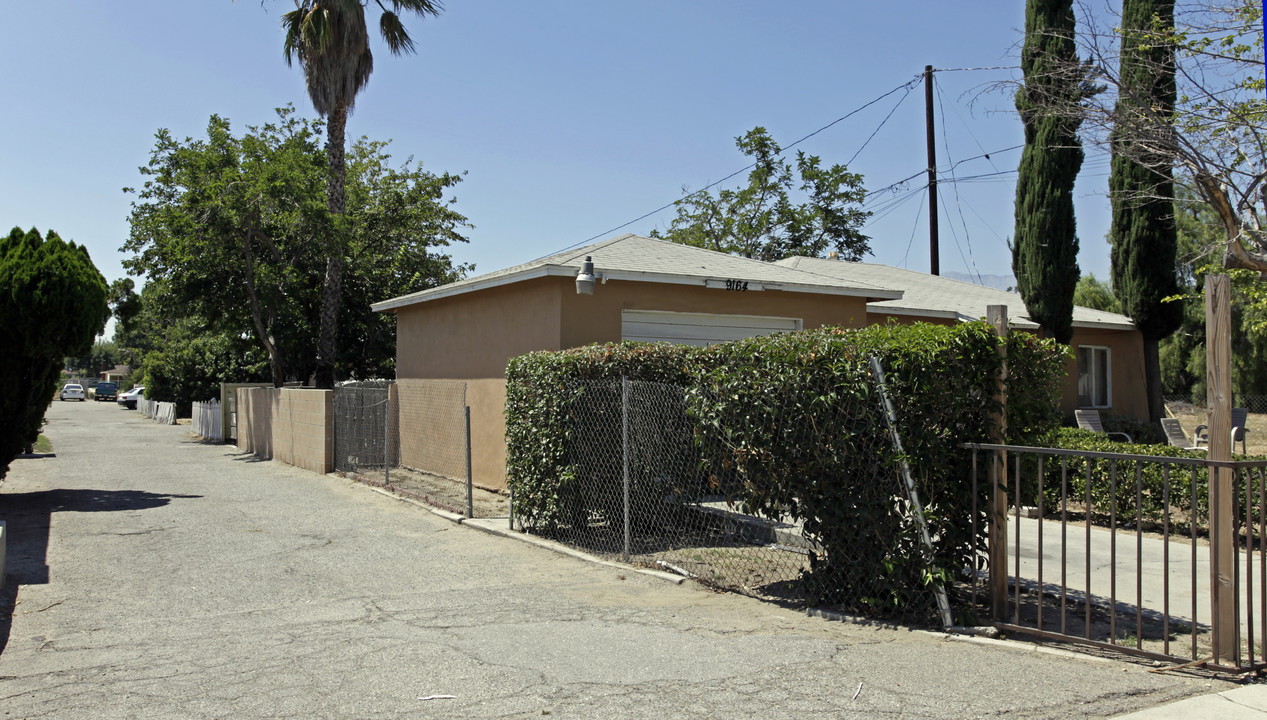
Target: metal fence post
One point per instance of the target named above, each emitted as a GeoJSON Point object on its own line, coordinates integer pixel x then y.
{"type": "Point", "coordinates": [387, 437]}
{"type": "Point", "coordinates": [470, 481]}
{"type": "Point", "coordinates": [624, 445]}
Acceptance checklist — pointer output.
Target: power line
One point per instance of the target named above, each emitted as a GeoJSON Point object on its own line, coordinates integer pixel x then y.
{"type": "Point", "coordinates": [906, 85]}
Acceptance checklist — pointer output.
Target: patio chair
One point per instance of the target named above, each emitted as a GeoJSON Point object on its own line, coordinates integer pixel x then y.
{"type": "Point", "coordinates": [1090, 420]}
{"type": "Point", "coordinates": [1239, 416]}
{"type": "Point", "coordinates": [1176, 436]}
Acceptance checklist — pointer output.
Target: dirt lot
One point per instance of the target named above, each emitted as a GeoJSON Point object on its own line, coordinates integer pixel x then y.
{"type": "Point", "coordinates": [1190, 416]}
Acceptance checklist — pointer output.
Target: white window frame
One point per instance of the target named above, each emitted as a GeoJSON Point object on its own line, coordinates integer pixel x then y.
{"type": "Point", "coordinates": [1092, 369]}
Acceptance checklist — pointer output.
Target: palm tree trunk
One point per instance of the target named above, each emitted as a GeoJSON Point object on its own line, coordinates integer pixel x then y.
{"type": "Point", "coordinates": [332, 288]}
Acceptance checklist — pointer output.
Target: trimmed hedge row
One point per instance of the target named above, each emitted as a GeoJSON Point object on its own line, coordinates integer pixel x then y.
{"type": "Point", "coordinates": [1114, 491]}
{"type": "Point", "coordinates": [763, 417]}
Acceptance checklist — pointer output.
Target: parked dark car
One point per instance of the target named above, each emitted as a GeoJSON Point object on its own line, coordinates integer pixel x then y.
{"type": "Point", "coordinates": [105, 391]}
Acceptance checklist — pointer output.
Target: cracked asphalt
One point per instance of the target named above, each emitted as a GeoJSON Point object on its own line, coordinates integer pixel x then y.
{"type": "Point", "coordinates": [153, 576]}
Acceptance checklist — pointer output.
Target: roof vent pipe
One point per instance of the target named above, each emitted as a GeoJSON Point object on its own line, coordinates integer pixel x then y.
{"type": "Point", "coordinates": [833, 255]}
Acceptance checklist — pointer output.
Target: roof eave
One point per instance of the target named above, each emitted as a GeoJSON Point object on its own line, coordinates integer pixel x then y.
{"type": "Point", "coordinates": [868, 294]}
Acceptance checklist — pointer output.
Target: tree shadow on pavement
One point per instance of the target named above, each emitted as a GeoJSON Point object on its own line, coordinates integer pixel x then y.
{"type": "Point", "coordinates": [28, 518]}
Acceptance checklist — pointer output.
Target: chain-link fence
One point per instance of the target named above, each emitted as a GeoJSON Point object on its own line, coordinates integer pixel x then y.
{"type": "Point", "coordinates": [656, 485]}
{"type": "Point", "coordinates": [1253, 403]}
{"type": "Point", "coordinates": [414, 437]}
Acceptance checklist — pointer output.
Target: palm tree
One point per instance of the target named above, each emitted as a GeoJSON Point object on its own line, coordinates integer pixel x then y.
{"type": "Point", "coordinates": [331, 42]}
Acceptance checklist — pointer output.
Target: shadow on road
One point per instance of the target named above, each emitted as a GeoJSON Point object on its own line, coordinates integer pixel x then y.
{"type": "Point", "coordinates": [28, 517]}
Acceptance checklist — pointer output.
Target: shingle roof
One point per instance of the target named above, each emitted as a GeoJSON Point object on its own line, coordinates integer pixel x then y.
{"type": "Point", "coordinates": [933, 296]}
{"type": "Point", "coordinates": [642, 259]}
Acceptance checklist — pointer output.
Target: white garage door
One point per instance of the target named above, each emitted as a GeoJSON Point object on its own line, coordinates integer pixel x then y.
{"type": "Point", "coordinates": [699, 328]}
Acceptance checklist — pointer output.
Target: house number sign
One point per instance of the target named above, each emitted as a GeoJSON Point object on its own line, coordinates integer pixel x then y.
{"type": "Point", "coordinates": [734, 285]}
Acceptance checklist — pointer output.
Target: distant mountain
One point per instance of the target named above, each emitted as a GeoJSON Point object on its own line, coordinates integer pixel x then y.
{"type": "Point", "coordinates": [1002, 282]}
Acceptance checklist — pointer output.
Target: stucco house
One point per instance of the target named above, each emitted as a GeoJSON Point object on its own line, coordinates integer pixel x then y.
{"type": "Point", "coordinates": [654, 290]}
{"type": "Point", "coordinates": [643, 289]}
{"type": "Point", "coordinates": [1107, 368]}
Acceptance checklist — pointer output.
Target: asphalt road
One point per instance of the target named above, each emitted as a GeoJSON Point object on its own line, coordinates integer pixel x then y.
{"type": "Point", "coordinates": [152, 576]}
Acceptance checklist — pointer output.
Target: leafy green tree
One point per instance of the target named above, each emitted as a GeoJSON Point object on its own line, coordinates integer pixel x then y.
{"type": "Point", "coordinates": [1183, 354]}
{"type": "Point", "coordinates": [1142, 231]}
{"type": "Point", "coordinates": [192, 362]}
{"type": "Point", "coordinates": [52, 305]}
{"type": "Point", "coordinates": [125, 307]}
{"type": "Point", "coordinates": [1091, 293]}
{"type": "Point", "coordinates": [1045, 246]}
{"type": "Point", "coordinates": [225, 230]}
{"type": "Point", "coordinates": [762, 221]}
{"type": "Point", "coordinates": [331, 42]}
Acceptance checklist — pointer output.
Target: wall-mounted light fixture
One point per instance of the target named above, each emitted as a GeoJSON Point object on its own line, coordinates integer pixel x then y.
{"type": "Point", "coordinates": [586, 277]}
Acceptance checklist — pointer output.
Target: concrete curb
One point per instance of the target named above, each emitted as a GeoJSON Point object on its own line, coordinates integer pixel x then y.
{"type": "Point", "coordinates": [491, 526]}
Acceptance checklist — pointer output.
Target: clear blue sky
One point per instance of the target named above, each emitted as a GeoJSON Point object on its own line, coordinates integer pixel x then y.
{"type": "Point", "coordinates": [570, 118]}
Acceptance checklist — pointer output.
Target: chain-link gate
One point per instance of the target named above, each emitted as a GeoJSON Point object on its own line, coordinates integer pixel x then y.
{"type": "Point", "coordinates": [363, 433]}
{"type": "Point", "coordinates": [413, 436]}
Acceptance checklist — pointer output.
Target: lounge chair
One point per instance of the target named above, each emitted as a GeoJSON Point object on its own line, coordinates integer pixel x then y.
{"type": "Point", "coordinates": [1176, 436]}
{"type": "Point", "coordinates": [1239, 416]}
{"type": "Point", "coordinates": [1090, 420]}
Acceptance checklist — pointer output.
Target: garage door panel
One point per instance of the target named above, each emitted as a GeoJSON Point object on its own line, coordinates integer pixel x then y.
{"type": "Point", "coordinates": [699, 328]}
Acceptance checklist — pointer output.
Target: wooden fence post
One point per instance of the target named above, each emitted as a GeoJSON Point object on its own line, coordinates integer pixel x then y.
{"type": "Point", "coordinates": [996, 315]}
{"type": "Point", "coordinates": [1225, 630]}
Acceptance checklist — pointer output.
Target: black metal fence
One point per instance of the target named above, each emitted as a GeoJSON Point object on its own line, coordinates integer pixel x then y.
{"type": "Point", "coordinates": [1123, 552]}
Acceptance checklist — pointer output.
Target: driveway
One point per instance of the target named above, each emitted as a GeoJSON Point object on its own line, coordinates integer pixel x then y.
{"type": "Point", "coordinates": [152, 576]}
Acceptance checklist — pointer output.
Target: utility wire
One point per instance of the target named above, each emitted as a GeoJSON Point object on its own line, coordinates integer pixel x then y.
{"type": "Point", "coordinates": [970, 262]}
{"type": "Point", "coordinates": [906, 85]}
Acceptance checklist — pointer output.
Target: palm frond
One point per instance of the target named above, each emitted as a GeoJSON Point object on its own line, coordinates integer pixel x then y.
{"type": "Point", "coordinates": [420, 7]}
{"type": "Point", "coordinates": [394, 33]}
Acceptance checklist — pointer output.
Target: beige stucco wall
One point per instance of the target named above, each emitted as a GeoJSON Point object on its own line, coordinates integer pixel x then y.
{"type": "Point", "coordinates": [1128, 390]}
{"type": "Point", "coordinates": [472, 336]}
{"type": "Point", "coordinates": [596, 318]}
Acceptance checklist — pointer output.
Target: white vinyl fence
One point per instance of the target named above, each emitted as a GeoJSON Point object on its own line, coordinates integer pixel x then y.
{"type": "Point", "coordinates": [162, 412]}
{"type": "Point", "coordinates": [207, 420]}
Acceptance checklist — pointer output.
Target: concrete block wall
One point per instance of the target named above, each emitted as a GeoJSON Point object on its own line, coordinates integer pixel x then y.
{"type": "Point", "coordinates": [303, 429]}
{"type": "Point", "coordinates": [255, 411]}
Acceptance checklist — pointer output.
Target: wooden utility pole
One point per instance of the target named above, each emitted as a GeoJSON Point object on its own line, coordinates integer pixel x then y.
{"type": "Point", "coordinates": [996, 315]}
{"type": "Point", "coordinates": [934, 253]}
{"type": "Point", "coordinates": [1225, 635]}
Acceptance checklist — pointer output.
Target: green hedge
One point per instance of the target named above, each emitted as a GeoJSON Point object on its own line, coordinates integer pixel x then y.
{"type": "Point", "coordinates": [766, 417]}
{"type": "Point", "coordinates": [1113, 484]}
{"type": "Point", "coordinates": [543, 424]}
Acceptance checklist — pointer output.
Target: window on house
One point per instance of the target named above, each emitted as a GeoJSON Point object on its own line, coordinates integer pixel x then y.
{"type": "Point", "coordinates": [1094, 389]}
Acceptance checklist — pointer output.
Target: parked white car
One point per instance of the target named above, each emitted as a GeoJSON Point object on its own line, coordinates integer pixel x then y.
{"type": "Point", "coordinates": [128, 399]}
{"type": "Point", "coordinates": [73, 391]}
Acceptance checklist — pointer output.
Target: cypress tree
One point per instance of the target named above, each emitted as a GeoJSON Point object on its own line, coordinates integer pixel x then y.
{"type": "Point", "coordinates": [1143, 236]}
{"type": "Point", "coordinates": [52, 305]}
{"type": "Point", "coordinates": [1045, 242]}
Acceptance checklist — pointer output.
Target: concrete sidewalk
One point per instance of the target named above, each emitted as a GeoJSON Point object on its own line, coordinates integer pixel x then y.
{"type": "Point", "coordinates": [1243, 703]}
{"type": "Point", "coordinates": [152, 576]}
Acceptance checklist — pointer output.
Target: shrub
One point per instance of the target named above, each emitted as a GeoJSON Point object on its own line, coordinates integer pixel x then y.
{"type": "Point", "coordinates": [791, 426]}
{"type": "Point", "coordinates": [546, 423]}
{"type": "Point", "coordinates": [1113, 482]}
